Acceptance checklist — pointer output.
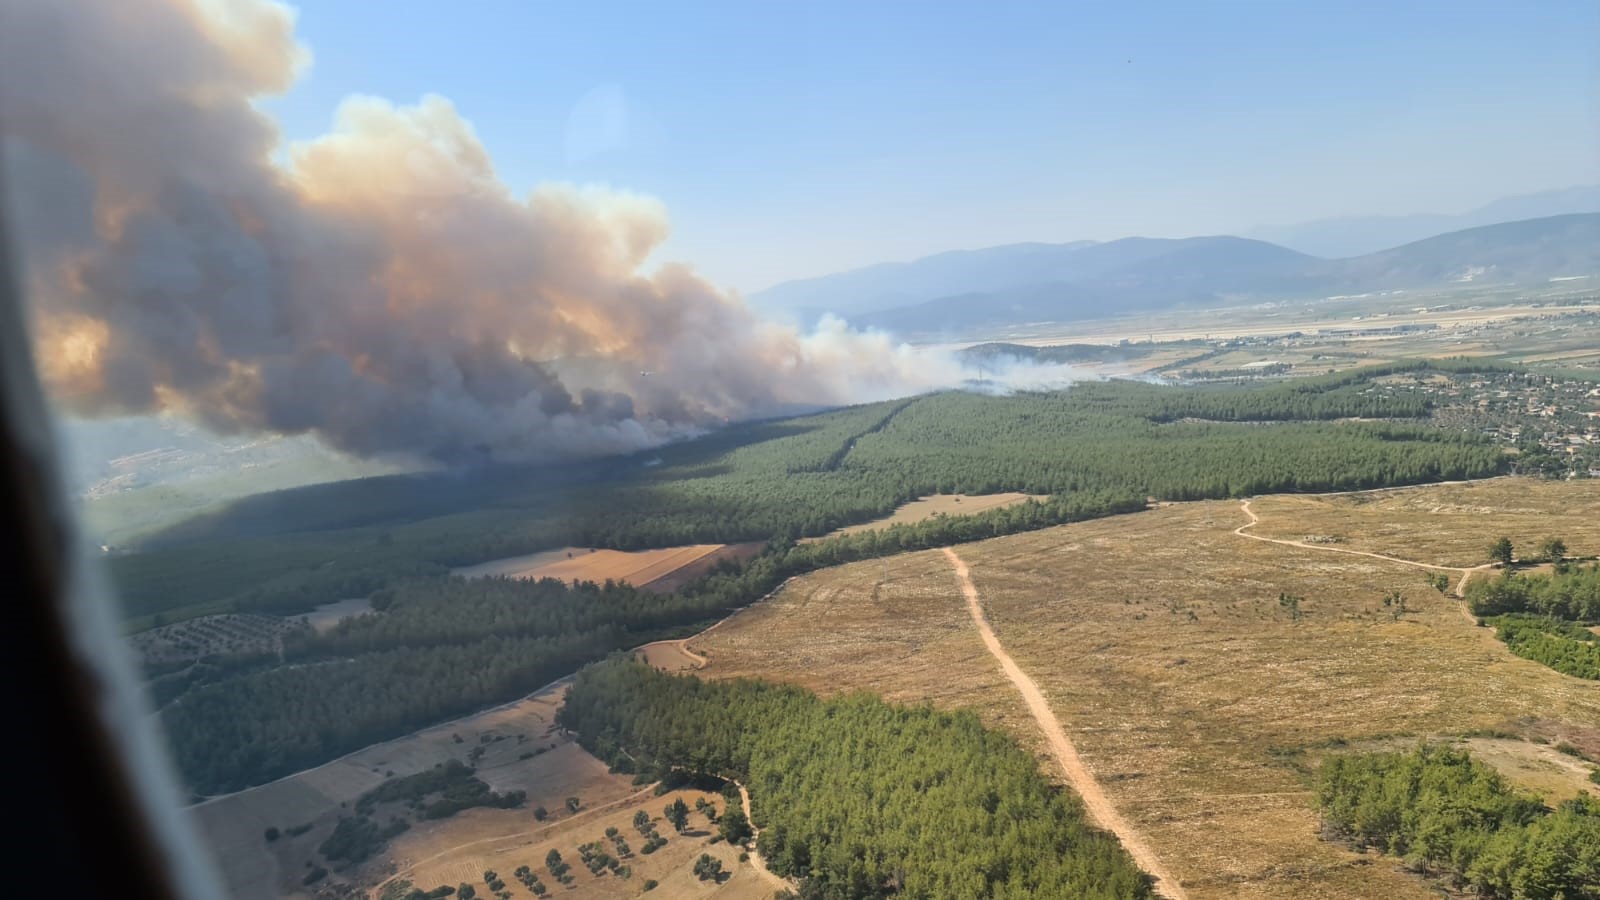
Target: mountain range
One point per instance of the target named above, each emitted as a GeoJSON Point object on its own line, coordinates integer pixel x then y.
{"type": "Point", "coordinates": [1020, 283]}
{"type": "Point", "coordinates": [1358, 235]}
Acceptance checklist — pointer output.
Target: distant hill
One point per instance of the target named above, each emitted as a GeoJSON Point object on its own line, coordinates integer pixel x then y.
{"type": "Point", "coordinates": [1028, 283]}
{"type": "Point", "coordinates": [1359, 235]}
{"type": "Point", "coordinates": [1140, 265]}
{"type": "Point", "coordinates": [1510, 252]}
{"type": "Point", "coordinates": [888, 285]}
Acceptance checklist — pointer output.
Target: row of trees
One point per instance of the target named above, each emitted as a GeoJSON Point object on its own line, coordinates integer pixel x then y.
{"type": "Point", "coordinates": [1444, 812]}
{"type": "Point", "coordinates": [857, 797]}
{"type": "Point", "coordinates": [444, 647]}
{"type": "Point", "coordinates": [1571, 593]}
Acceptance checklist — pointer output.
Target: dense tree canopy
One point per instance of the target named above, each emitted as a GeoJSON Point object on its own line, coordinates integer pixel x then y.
{"type": "Point", "coordinates": [447, 646]}
{"type": "Point", "coordinates": [804, 477]}
{"type": "Point", "coordinates": [444, 646]}
{"type": "Point", "coordinates": [1538, 616]}
{"type": "Point", "coordinates": [1444, 811]}
{"type": "Point", "coordinates": [860, 797]}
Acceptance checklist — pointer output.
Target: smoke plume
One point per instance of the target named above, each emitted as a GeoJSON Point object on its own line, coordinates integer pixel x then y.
{"type": "Point", "coordinates": [380, 288]}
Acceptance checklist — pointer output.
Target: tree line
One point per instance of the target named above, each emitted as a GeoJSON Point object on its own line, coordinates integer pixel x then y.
{"type": "Point", "coordinates": [810, 475]}
{"type": "Point", "coordinates": [445, 647]}
{"type": "Point", "coordinates": [1539, 616]}
{"type": "Point", "coordinates": [1444, 812]}
{"type": "Point", "coordinates": [856, 797]}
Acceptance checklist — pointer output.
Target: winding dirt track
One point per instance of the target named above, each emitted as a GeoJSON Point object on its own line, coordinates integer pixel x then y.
{"type": "Point", "coordinates": [756, 862]}
{"type": "Point", "coordinates": [1101, 811]}
{"type": "Point", "coordinates": [1461, 585]}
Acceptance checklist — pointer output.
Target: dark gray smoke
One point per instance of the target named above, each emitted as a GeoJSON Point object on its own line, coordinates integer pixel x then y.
{"type": "Point", "coordinates": [381, 289]}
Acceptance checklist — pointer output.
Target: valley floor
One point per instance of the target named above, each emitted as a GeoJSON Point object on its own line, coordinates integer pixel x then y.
{"type": "Point", "coordinates": [1194, 699]}
{"type": "Point", "coordinates": [1145, 658]}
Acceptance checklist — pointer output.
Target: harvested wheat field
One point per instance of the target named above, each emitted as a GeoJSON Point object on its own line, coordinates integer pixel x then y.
{"type": "Point", "coordinates": [935, 505]}
{"type": "Point", "coordinates": [1196, 702]}
{"type": "Point", "coordinates": [638, 567]}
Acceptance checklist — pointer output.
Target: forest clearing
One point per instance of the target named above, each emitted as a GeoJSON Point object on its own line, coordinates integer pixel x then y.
{"type": "Point", "coordinates": [513, 747]}
{"type": "Point", "coordinates": [636, 567]}
{"type": "Point", "coordinates": [1196, 697]}
{"type": "Point", "coordinates": [924, 508]}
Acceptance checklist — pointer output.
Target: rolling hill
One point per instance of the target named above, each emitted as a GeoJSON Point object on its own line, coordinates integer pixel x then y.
{"type": "Point", "coordinates": [1348, 236]}
{"type": "Point", "coordinates": [1024, 283]}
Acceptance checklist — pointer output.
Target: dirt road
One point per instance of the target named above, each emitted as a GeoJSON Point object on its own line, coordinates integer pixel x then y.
{"type": "Point", "coordinates": [1461, 586]}
{"type": "Point", "coordinates": [760, 865]}
{"type": "Point", "coordinates": [1101, 811]}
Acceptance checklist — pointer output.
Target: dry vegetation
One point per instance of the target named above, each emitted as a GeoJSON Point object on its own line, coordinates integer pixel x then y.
{"type": "Point", "coordinates": [235, 824]}
{"type": "Point", "coordinates": [524, 751]}
{"type": "Point", "coordinates": [1451, 525]}
{"type": "Point", "coordinates": [639, 567]}
{"type": "Point", "coordinates": [459, 850]}
{"type": "Point", "coordinates": [1198, 701]}
{"type": "Point", "coordinates": [925, 508]}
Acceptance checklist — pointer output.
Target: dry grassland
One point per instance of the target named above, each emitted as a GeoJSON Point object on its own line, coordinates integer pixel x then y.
{"type": "Point", "coordinates": [638, 567]}
{"type": "Point", "coordinates": [1450, 525]}
{"type": "Point", "coordinates": [934, 505]}
{"type": "Point", "coordinates": [459, 849]}
{"type": "Point", "coordinates": [1197, 702]}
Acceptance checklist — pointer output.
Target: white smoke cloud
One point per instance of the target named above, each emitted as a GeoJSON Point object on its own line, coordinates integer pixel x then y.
{"type": "Point", "coordinates": [381, 289]}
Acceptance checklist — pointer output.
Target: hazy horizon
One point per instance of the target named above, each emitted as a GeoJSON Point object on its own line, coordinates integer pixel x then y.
{"type": "Point", "coordinates": [794, 142]}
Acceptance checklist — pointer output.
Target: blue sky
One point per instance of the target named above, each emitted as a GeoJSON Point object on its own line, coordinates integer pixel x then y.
{"type": "Point", "coordinates": [793, 139]}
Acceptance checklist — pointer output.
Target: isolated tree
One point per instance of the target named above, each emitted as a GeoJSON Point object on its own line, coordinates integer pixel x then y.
{"type": "Point", "coordinates": [1440, 582]}
{"type": "Point", "coordinates": [677, 812]}
{"type": "Point", "coordinates": [573, 803]}
{"type": "Point", "coordinates": [708, 868]}
{"type": "Point", "coordinates": [1290, 604]}
{"type": "Point", "coordinates": [272, 835]}
{"type": "Point", "coordinates": [1553, 549]}
{"type": "Point", "coordinates": [641, 820]}
{"type": "Point", "coordinates": [1502, 551]}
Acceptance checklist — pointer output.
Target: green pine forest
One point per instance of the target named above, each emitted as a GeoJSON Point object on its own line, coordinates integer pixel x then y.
{"type": "Point", "coordinates": [1446, 813]}
{"type": "Point", "coordinates": [444, 646]}
{"type": "Point", "coordinates": [1540, 617]}
{"type": "Point", "coordinates": [856, 797]}
{"type": "Point", "coordinates": [289, 551]}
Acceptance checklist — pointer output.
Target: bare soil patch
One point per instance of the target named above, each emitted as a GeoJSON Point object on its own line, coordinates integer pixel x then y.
{"type": "Point", "coordinates": [934, 505]}
{"type": "Point", "coordinates": [1540, 768]}
{"type": "Point", "coordinates": [737, 553]}
{"type": "Point", "coordinates": [638, 567]}
{"type": "Point", "coordinates": [671, 656]}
